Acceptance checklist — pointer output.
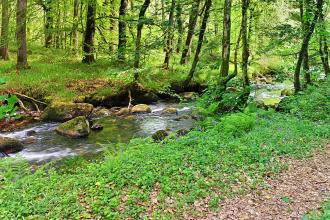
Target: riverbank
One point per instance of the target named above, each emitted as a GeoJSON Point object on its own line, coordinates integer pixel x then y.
{"type": "Point", "coordinates": [224, 157]}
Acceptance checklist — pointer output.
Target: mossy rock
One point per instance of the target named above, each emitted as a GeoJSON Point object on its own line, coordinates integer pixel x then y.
{"type": "Point", "coordinates": [75, 128]}
{"type": "Point", "coordinates": [160, 135]}
{"type": "Point", "coordinates": [170, 110]}
{"type": "Point", "coordinates": [123, 111]}
{"type": "Point", "coordinates": [64, 111]}
{"type": "Point", "coordinates": [189, 95]}
{"type": "Point", "coordinates": [10, 145]}
{"type": "Point", "coordinates": [141, 108]}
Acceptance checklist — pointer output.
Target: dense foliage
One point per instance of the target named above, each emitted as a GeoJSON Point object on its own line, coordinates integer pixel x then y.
{"type": "Point", "coordinates": [242, 148]}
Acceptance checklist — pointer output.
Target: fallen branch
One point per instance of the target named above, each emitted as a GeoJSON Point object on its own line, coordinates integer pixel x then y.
{"type": "Point", "coordinates": [28, 98]}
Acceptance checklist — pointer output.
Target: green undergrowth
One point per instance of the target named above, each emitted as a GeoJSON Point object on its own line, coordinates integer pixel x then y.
{"type": "Point", "coordinates": [224, 157]}
{"type": "Point", "coordinates": [312, 103]}
{"type": "Point", "coordinates": [322, 214]}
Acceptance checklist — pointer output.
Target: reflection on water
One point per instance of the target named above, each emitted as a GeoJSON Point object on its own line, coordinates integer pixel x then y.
{"type": "Point", "coordinates": [48, 145]}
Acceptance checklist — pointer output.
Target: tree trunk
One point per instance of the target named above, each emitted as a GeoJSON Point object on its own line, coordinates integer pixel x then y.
{"type": "Point", "coordinates": [4, 38]}
{"type": "Point", "coordinates": [21, 34]}
{"type": "Point", "coordinates": [113, 25]}
{"type": "Point", "coordinates": [179, 23]}
{"type": "Point", "coordinates": [304, 46]}
{"type": "Point", "coordinates": [245, 42]}
{"type": "Point", "coordinates": [208, 5]}
{"type": "Point", "coordinates": [88, 47]}
{"type": "Point", "coordinates": [75, 26]}
{"type": "Point", "coordinates": [122, 36]}
{"type": "Point", "coordinates": [306, 19]}
{"type": "Point", "coordinates": [226, 39]}
{"type": "Point", "coordinates": [169, 37]}
{"type": "Point", "coordinates": [48, 24]}
{"type": "Point", "coordinates": [191, 29]}
{"type": "Point", "coordinates": [141, 21]}
{"type": "Point", "coordinates": [324, 51]}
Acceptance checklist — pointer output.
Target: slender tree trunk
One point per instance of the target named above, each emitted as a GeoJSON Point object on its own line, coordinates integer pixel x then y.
{"type": "Point", "coordinates": [226, 39]}
{"type": "Point", "coordinates": [180, 26]}
{"type": "Point", "coordinates": [236, 51]}
{"type": "Point", "coordinates": [191, 29]}
{"type": "Point", "coordinates": [48, 24]}
{"type": "Point", "coordinates": [88, 47]}
{"type": "Point", "coordinates": [306, 19]}
{"type": "Point", "coordinates": [113, 24]}
{"type": "Point", "coordinates": [208, 5]}
{"type": "Point", "coordinates": [324, 51]}
{"type": "Point", "coordinates": [245, 42]}
{"type": "Point", "coordinates": [142, 13]}
{"type": "Point", "coordinates": [304, 46]}
{"type": "Point", "coordinates": [169, 37]}
{"type": "Point", "coordinates": [122, 36]}
{"type": "Point", "coordinates": [21, 34]}
{"type": "Point", "coordinates": [75, 26]}
{"type": "Point", "coordinates": [4, 38]}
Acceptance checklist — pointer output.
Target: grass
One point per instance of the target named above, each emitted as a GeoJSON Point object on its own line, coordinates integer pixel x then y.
{"type": "Point", "coordinates": [224, 157]}
{"type": "Point", "coordinates": [53, 71]}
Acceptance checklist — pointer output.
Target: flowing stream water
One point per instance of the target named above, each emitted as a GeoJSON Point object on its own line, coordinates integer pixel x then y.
{"type": "Point", "coordinates": [47, 145]}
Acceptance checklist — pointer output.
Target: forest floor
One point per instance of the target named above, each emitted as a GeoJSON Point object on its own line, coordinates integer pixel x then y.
{"type": "Point", "coordinates": [299, 190]}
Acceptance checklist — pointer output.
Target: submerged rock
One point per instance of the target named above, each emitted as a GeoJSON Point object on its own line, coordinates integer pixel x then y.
{"type": "Point", "coordinates": [130, 117]}
{"type": "Point", "coordinates": [170, 110]}
{"type": "Point", "coordinates": [141, 108]}
{"type": "Point", "coordinates": [10, 145]}
{"type": "Point", "coordinates": [159, 135]}
{"type": "Point", "coordinates": [29, 140]}
{"type": "Point", "coordinates": [75, 128]}
{"type": "Point", "coordinates": [31, 133]}
{"type": "Point", "coordinates": [64, 111]}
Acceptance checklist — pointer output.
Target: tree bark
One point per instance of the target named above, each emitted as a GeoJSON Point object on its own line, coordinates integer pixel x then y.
{"type": "Point", "coordinates": [324, 51]}
{"type": "Point", "coordinates": [75, 26]}
{"type": "Point", "coordinates": [4, 38]}
{"type": "Point", "coordinates": [179, 23]}
{"type": "Point", "coordinates": [245, 42]}
{"type": "Point", "coordinates": [88, 47]}
{"type": "Point", "coordinates": [191, 29]}
{"type": "Point", "coordinates": [226, 39]}
{"type": "Point", "coordinates": [122, 36]}
{"type": "Point", "coordinates": [169, 37]}
{"type": "Point", "coordinates": [208, 5]}
{"type": "Point", "coordinates": [21, 34]}
{"type": "Point", "coordinates": [304, 46]}
{"type": "Point", "coordinates": [141, 21]}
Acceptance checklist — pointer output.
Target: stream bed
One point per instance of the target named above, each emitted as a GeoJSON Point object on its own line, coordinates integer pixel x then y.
{"type": "Point", "coordinates": [47, 145]}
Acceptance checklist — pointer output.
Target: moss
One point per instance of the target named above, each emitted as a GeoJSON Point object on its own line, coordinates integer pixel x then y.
{"type": "Point", "coordinates": [75, 128]}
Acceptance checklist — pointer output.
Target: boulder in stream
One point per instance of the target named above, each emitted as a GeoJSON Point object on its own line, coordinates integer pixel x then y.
{"type": "Point", "coordinates": [141, 108]}
{"type": "Point", "coordinates": [75, 128]}
{"type": "Point", "coordinates": [170, 110]}
{"type": "Point", "coordinates": [64, 111]}
{"type": "Point", "coordinates": [160, 135]}
{"type": "Point", "coordinates": [10, 145]}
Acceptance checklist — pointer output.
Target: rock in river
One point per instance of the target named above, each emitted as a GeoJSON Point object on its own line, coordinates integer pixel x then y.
{"type": "Point", "coordinates": [170, 110]}
{"type": "Point", "coordinates": [64, 111]}
{"type": "Point", "coordinates": [159, 135]}
{"type": "Point", "coordinates": [75, 128]}
{"type": "Point", "coordinates": [10, 145]}
{"type": "Point", "coordinates": [141, 108]}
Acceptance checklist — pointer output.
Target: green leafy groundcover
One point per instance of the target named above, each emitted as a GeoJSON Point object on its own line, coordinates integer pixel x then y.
{"type": "Point", "coordinates": [239, 150]}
